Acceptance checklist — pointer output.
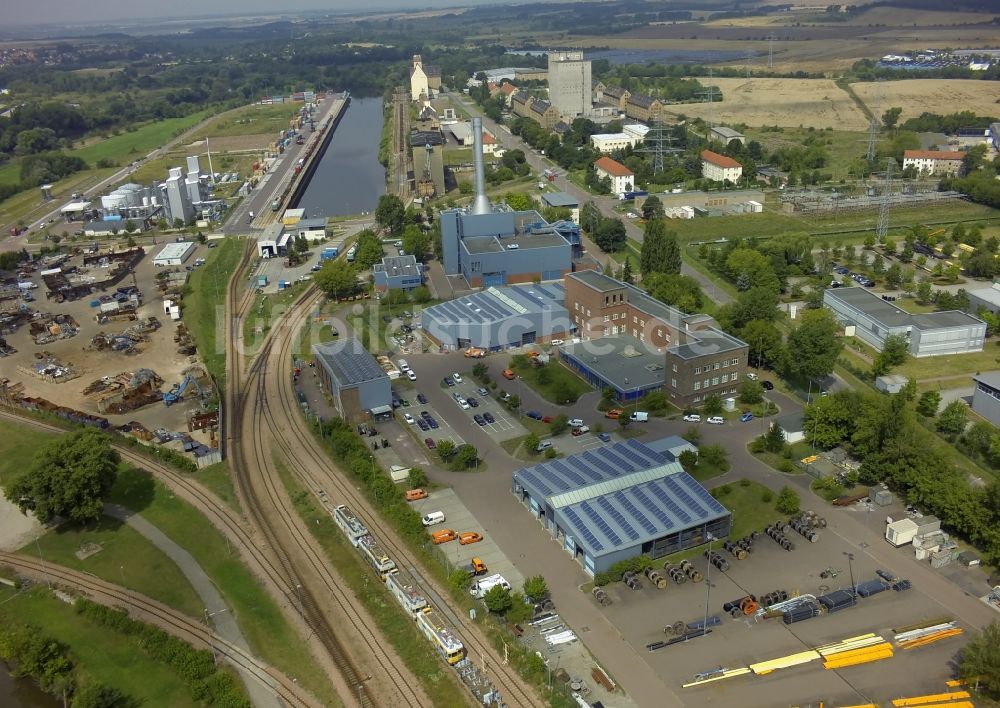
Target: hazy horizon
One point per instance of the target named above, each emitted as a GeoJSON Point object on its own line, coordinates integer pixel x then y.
{"type": "Point", "coordinates": [68, 12]}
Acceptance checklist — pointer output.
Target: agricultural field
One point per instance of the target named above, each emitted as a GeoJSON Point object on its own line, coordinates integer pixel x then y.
{"type": "Point", "coordinates": [942, 96]}
{"type": "Point", "coordinates": [819, 103]}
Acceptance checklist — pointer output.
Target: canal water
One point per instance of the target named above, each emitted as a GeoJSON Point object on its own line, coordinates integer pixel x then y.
{"type": "Point", "coordinates": [22, 693]}
{"type": "Point", "coordinates": [349, 178]}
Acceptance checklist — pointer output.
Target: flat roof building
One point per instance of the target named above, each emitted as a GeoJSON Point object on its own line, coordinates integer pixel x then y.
{"type": "Point", "coordinates": [634, 344]}
{"type": "Point", "coordinates": [311, 229]}
{"type": "Point", "coordinates": [174, 254]}
{"type": "Point", "coordinates": [724, 135]}
{"type": "Point", "coordinates": [398, 273]}
{"type": "Point", "coordinates": [619, 501]}
{"type": "Point", "coordinates": [986, 396]}
{"type": "Point", "coordinates": [564, 201]}
{"type": "Point", "coordinates": [499, 317]}
{"type": "Point", "coordinates": [930, 334]}
{"type": "Point", "coordinates": [352, 378]}
{"type": "Point", "coordinates": [503, 247]}
{"type": "Point", "coordinates": [269, 240]}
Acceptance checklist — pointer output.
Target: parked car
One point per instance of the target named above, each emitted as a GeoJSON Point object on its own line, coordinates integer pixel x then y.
{"type": "Point", "coordinates": [557, 342]}
{"type": "Point", "coordinates": [535, 415]}
{"type": "Point", "coordinates": [752, 376]}
{"type": "Point", "coordinates": [716, 420]}
{"type": "Point", "coordinates": [508, 374]}
{"type": "Point", "coordinates": [423, 425]}
{"type": "Point", "coordinates": [415, 494]}
{"type": "Point", "coordinates": [604, 437]}
{"type": "Point", "coordinates": [411, 375]}
{"type": "Point", "coordinates": [425, 414]}
{"type": "Point", "coordinates": [583, 429]}
{"type": "Point", "coordinates": [614, 413]}
{"type": "Point", "coordinates": [421, 399]}
{"type": "Point", "coordinates": [429, 442]}
{"type": "Point", "coordinates": [767, 385]}
{"type": "Point", "coordinates": [692, 418]}
{"type": "Point", "coordinates": [543, 445]}
{"type": "Point", "coordinates": [746, 417]}
{"type": "Point", "coordinates": [443, 536]}
{"type": "Point", "coordinates": [472, 402]}
{"type": "Point", "coordinates": [575, 422]}
{"type": "Point", "coordinates": [409, 418]}
{"type": "Point", "coordinates": [469, 537]}
{"type": "Point", "coordinates": [448, 382]}
{"type": "Point", "coordinates": [458, 379]}
{"type": "Point", "coordinates": [432, 422]}
{"type": "Point", "coordinates": [483, 391]}
{"type": "Point", "coordinates": [488, 417]}
{"type": "Point", "coordinates": [435, 517]}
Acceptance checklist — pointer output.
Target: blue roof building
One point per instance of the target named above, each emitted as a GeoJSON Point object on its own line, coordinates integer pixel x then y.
{"type": "Point", "coordinates": [353, 379]}
{"type": "Point", "coordinates": [497, 318]}
{"type": "Point", "coordinates": [398, 273]}
{"type": "Point", "coordinates": [619, 501]}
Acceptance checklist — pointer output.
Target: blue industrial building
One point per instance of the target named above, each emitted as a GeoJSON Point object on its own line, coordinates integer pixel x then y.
{"type": "Point", "coordinates": [355, 382]}
{"type": "Point", "coordinates": [398, 273]}
{"type": "Point", "coordinates": [619, 501]}
{"type": "Point", "coordinates": [498, 318]}
{"type": "Point", "coordinates": [504, 247]}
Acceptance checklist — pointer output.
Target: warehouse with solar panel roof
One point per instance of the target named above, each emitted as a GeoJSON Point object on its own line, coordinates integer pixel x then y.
{"type": "Point", "coordinates": [620, 501]}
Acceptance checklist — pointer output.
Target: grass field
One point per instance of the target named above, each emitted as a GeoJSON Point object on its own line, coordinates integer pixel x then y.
{"type": "Point", "coordinates": [843, 146]}
{"type": "Point", "coordinates": [262, 315]}
{"type": "Point", "coordinates": [126, 558]}
{"type": "Point", "coordinates": [203, 307]}
{"type": "Point", "coordinates": [250, 120]}
{"type": "Point", "coordinates": [218, 480]}
{"type": "Point", "coordinates": [936, 366]}
{"type": "Point", "coordinates": [561, 380]}
{"type": "Point", "coordinates": [260, 619]}
{"type": "Point", "coordinates": [746, 500]}
{"type": "Point", "coordinates": [436, 679]}
{"type": "Point", "coordinates": [101, 653]}
{"type": "Point", "coordinates": [17, 449]}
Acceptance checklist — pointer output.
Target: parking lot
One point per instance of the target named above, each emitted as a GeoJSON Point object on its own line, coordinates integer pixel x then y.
{"type": "Point", "coordinates": [460, 519]}
{"type": "Point", "coordinates": [642, 614]}
{"type": "Point", "coordinates": [505, 425]}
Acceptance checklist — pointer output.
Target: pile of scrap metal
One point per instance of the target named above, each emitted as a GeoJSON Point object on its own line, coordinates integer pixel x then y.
{"type": "Point", "coordinates": [6, 349]}
{"type": "Point", "coordinates": [51, 328]}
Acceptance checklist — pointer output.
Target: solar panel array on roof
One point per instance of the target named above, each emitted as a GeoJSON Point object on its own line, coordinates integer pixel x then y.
{"type": "Point", "coordinates": [581, 528]}
{"type": "Point", "coordinates": [496, 304]}
{"type": "Point", "coordinates": [593, 466]}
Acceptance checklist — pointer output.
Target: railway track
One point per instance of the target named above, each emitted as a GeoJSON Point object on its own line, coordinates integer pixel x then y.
{"type": "Point", "coordinates": [170, 620]}
{"type": "Point", "coordinates": [305, 573]}
{"type": "Point", "coordinates": [299, 447]}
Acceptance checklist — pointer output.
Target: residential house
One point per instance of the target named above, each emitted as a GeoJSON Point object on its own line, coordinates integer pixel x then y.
{"type": "Point", "coordinates": [622, 178]}
{"type": "Point", "coordinates": [934, 162]}
{"type": "Point", "coordinates": [644, 108]}
{"type": "Point", "coordinates": [544, 113]}
{"type": "Point", "coordinates": [720, 168]}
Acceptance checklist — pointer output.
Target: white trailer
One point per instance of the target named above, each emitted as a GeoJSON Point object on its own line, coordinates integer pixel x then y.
{"type": "Point", "coordinates": [484, 585]}
{"type": "Point", "coordinates": [902, 532]}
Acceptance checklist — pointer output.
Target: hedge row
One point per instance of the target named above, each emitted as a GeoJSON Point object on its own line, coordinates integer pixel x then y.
{"type": "Point", "coordinates": [208, 683]}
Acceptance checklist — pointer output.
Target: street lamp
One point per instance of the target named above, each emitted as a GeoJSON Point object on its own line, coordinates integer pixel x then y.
{"type": "Point", "coordinates": [708, 581]}
{"type": "Point", "coordinates": [850, 566]}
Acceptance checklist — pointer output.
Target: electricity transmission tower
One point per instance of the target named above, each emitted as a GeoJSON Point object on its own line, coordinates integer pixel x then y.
{"type": "Point", "coordinates": [709, 94]}
{"type": "Point", "coordinates": [770, 50]}
{"type": "Point", "coordinates": [749, 58]}
{"type": "Point", "coordinates": [659, 143]}
{"type": "Point", "coordinates": [883, 213]}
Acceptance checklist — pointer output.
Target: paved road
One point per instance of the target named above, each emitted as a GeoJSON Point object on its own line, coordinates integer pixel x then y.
{"type": "Point", "coordinates": [216, 608]}
{"type": "Point", "coordinates": [605, 203]}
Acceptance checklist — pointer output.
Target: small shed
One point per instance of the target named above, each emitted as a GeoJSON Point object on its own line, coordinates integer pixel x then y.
{"type": "Point", "coordinates": [968, 559]}
{"type": "Point", "coordinates": [880, 496]}
{"type": "Point", "coordinates": [891, 383]}
{"type": "Point", "coordinates": [792, 427]}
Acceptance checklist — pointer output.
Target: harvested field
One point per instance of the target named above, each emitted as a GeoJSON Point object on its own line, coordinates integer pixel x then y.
{"type": "Point", "coordinates": [942, 96]}
{"type": "Point", "coordinates": [237, 143]}
{"type": "Point", "coordinates": [819, 103]}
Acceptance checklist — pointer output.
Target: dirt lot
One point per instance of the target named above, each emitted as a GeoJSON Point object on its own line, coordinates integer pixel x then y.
{"type": "Point", "coordinates": [236, 143]}
{"type": "Point", "coordinates": [784, 102]}
{"type": "Point", "coordinates": [942, 96]}
{"type": "Point", "coordinates": [159, 353]}
{"type": "Point", "coordinates": [640, 616]}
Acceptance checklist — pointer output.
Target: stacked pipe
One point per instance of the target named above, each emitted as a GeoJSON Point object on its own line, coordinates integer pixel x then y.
{"type": "Point", "coordinates": [737, 551]}
{"type": "Point", "coordinates": [631, 579]}
{"type": "Point", "coordinates": [802, 525]}
{"type": "Point", "coordinates": [693, 574]}
{"type": "Point", "coordinates": [601, 596]}
{"type": "Point", "coordinates": [675, 573]}
{"type": "Point", "coordinates": [656, 579]}
{"type": "Point", "coordinates": [776, 533]}
{"type": "Point", "coordinates": [798, 613]}
{"type": "Point", "coordinates": [717, 560]}
{"type": "Point", "coordinates": [745, 605]}
{"type": "Point", "coordinates": [773, 598]}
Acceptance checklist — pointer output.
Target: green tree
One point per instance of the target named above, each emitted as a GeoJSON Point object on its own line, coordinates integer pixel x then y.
{"type": "Point", "coordinates": [627, 276]}
{"type": "Point", "coordinates": [390, 215]}
{"type": "Point", "coordinates": [69, 477]}
{"type": "Point", "coordinates": [416, 242]}
{"type": "Point", "coordinates": [10, 259]}
{"type": "Point", "coordinates": [420, 295]}
{"type": "Point", "coordinates": [751, 392]}
{"type": "Point", "coordinates": [712, 404]}
{"type": "Point", "coordinates": [337, 277]}
{"type": "Point", "coordinates": [531, 443]}
{"type": "Point", "coordinates": [752, 269]}
{"type": "Point", "coordinates": [980, 660]}
{"type": "Point", "coordinates": [369, 249]}
{"type": "Point", "coordinates": [928, 403]}
{"type": "Point", "coordinates": [891, 117]}
{"type": "Point", "coordinates": [774, 439]}
{"type": "Point", "coordinates": [590, 218]}
{"type": "Point", "coordinates": [129, 226]}
{"type": "Point", "coordinates": [953, 418]}
{"type": "Point", "coordinates": [680, 291]}
{"type": "Point", "coordinates": [521, 609]}
{"type": "Point", "coordinates": [652, 208]}
{"type": "Point", "coordinates": [498, 599]}
{"type": "Point", "coordinates": [466, 456]}
{"type": "Point", "coordinates": [895, 352]}
{"type": "Point", "coordinates": [688, 459]}
{"type": "Point", "coordinates": [536, 588]}
{"type": "Point", "coordinates": [396, 296]}
{"type": "Point", "coordinates": [787, 501]}
{"type": "Point", "coordinates": [714, 455]}
{"type": "Point", "coordinates": [816, 344]}
{"type": "Point", "coordinates": [766, 347]}
{"type": "Point", "coordinates": [559, 425]}
{"type": "Point", "coordinates": [445, 449]}
{"type": "Point", "coordinates": [660, 252]}
{"type": "Point", "coordinates": [417, 477]}
{"type": "Point", "coordinates": [924, 292]}
{"type": "Point", "coordinates": [459, 579]}
{"type": "Point", "coordinates": [97, 695]}
{"type": "Point", "coordinates": [610, 235]}
{"type": "Point", "coordinates": [519, 201]}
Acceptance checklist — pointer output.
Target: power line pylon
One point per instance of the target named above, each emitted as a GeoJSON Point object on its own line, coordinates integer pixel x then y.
{"type": "Point", "coordinates": [883, 213]}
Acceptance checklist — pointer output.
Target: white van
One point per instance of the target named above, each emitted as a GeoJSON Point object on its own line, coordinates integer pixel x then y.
{"type": "Point", "coordinates": [435, 517]}
{"type": "Point", "coordinates": [640, 417]}
{"type": "Point", "coordinates": [481, 587]}
{"type": "Point", "coordinates": [752, 376]}
{"type": "Point", "coordinates": [403, 366]}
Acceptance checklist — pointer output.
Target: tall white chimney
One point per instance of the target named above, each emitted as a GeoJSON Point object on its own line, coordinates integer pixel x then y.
{"type": "Point", "coordinates": [481, 205]}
